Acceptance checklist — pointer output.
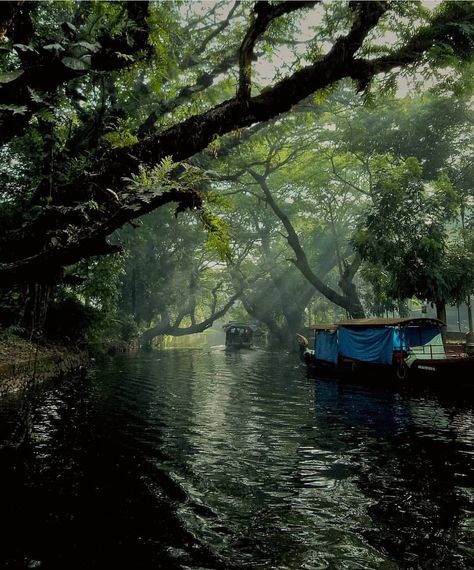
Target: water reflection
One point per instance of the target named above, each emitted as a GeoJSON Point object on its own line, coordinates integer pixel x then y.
{"type": "Point", "coordinates": [412, 459]}
{"type": "Point", "coordinates": [214, 459]}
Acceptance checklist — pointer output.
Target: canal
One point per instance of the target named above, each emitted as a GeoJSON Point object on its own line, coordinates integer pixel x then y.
{"type": "Point", "coordinates": [202, 458]}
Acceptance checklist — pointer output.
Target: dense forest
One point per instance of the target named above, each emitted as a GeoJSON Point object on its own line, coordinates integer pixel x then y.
{"type": "Point", "coordinates": [165, 165]}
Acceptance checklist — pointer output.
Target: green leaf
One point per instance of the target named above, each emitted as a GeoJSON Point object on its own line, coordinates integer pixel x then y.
{"type": "Point", "coordinates": [35, 96]}
{"type": "Point", "coordinates": [57, 48]}
{"type": "Point", "coordinates": [87, 45]}
{"type": "Point", "coordinates": [124, 56]}
{"type": "Point", "coordinates": [9, 76]}
{"type": "Point", "coordinates": [76, 64]}
{"type": "Point", "coordinates": [218, 234]}
{"type": "Point", "coordinates": [120, 139]}
{"type": "Point", "coordinates": [23, 47]}
{"type": "Point", "coordinates": [15, 109]}
{"type": "Point", "coordinates": [69, 28]}
{"type": "Point", "coordinates": [46, 115]}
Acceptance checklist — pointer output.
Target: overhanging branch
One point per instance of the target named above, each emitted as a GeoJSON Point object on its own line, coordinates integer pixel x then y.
{"type": "Point", "coordinates": [265, 14]}
{"type": "Point", "coordinates": [194, 134]}
{"type": "Point", "coordinates": [301, 261]}
{"type": "Point", "coordinates": [165, 328]}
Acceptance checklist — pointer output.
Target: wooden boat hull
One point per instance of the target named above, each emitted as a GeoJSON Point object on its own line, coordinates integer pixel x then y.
{"type": "Point", "coordinates": [449, 373]}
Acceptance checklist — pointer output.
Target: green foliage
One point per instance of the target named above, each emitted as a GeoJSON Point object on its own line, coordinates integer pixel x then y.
{"type": "Point", "coordinates": [95, 301]}
{"type": "Point", "coordinates": [218, 238]}
{"type": "Point", "coordinates": [122, 137]}
{"type": "Point", "coordinates": [15, 109]}
{"type": "Point", "coordinates": [169, 175]}
{"type": "Point", "coordinates": [406, 235]}
{"type": "Point", "coordinates": [8, 76]}
{"type": "Point", "coordinates": [102, 278]}
{"type": "Point", "coordinates": [173, 269]}
{"type": "Point", "coordinates": [459, 35]}
{"type": "Point", "coordinates": [404, 163]}
{"type": "Point", "coordinates": [378, 298]}
{"type": "Point", "coordinates": [216, 228]}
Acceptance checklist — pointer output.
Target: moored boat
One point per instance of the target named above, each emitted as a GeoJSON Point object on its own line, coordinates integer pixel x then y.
{"type": "Point", "coordinates": [401, 349]}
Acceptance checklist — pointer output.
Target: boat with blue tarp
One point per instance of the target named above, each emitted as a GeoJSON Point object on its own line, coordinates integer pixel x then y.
{"type": "Point", "coordinates": [401, 348]}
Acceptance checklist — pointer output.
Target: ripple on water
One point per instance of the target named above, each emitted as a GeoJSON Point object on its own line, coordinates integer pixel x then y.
{"type": "Point", "coordinates": [214, 459]}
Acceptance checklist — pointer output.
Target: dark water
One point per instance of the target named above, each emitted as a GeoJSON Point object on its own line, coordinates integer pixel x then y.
{"type": "Point", "coordinates": [207, 459]}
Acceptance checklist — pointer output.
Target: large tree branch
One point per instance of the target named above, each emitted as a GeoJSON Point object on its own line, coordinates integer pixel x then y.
{"type": "Point", "coordinates": [445, 30]}
{"type": "Point", "coordinates": [90, 241]}
{"type": "Point", "coordinates": [203, 81]}
{"type": "Point", "coordinates": [164, 327]}
{"type": "Point", "coordinates": [265, 14]}
{"type": "Point", "coordinates": [198, 131]}
{"type": "Point", "coordinates": [194, 134]}
{"type": "Point", "coordinates": [301, 261]}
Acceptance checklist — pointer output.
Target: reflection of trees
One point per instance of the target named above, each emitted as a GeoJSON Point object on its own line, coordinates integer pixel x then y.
{"type": "Point", "coordinates": [413, 469]}
{"type": "Point", "coordinates": [90, 492]}
{"type": "Point", "coordinates": [239, 452]}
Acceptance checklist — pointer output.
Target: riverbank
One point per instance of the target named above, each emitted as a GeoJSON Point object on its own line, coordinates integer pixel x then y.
{"type": "Point", "coordinates": [22, 361]}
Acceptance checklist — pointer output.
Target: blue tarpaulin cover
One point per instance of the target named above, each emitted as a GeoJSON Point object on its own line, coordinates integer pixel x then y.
{"type": "Point", "coordinates": [367, 345]}
{"type": "Point", "coordinates": [419, 336]}
{"type": "Point", "coordinates": [425, 343]}
{"type": "Point", "coordinates": [325, 346]}
{"type": "Point", "coordinates": [422, 342]}
{"type": "Point", "coordinates": [400, 340]}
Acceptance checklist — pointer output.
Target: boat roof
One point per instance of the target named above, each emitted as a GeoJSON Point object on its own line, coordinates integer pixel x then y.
{"type": "Point", "coordinates": [240, 326]}
{"type": "Point", "coordinates": [379, 322]}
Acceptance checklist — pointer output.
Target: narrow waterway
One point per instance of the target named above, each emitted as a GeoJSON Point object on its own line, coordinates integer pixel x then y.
{"type": "Point", "coordinates": [202, 458]}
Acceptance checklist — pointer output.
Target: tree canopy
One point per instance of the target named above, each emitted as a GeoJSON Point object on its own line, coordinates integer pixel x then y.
{"type": "Point", "coordinates": [293, 111]}
{"type": "Point", "coordinates": [92, 92]}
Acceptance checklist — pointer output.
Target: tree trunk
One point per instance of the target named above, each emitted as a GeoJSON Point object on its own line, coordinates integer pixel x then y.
{"type": "Point", "coordinates": [165, 327]}
{"type": "Point", "coordinates": [347, 286]}
{"type": "Point", "coordinates": [469, 314]}
{"type": "Point", "coordinates": [351, 305]}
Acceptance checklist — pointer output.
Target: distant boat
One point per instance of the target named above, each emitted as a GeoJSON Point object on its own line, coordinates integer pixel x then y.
{"type": "Point", "coordinates": [241, 335]}
{"type": "Point", "coordinates": [410, 349]}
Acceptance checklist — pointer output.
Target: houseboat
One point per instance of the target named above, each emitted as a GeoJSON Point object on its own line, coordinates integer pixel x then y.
{"type": "Point", "coordinates": [240, 335]}
{"type": "Point", "coordinates": [402, 349]}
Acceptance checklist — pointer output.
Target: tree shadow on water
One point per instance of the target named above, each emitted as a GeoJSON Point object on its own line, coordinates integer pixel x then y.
{"type": "Point", "coordinates": [76, 495]}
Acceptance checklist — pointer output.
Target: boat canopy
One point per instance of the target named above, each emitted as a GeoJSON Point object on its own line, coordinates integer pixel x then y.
{"type": "Point", "coordinates": [241, 326]}
{"type": "Point", "coordinates": [367, 344]}
{"type": "Point", "coordinates": [375, 340]}
{"type": "Point", "coordinates": [326, 346]}
{"type": "Point", "coordinates": [379, 322]}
